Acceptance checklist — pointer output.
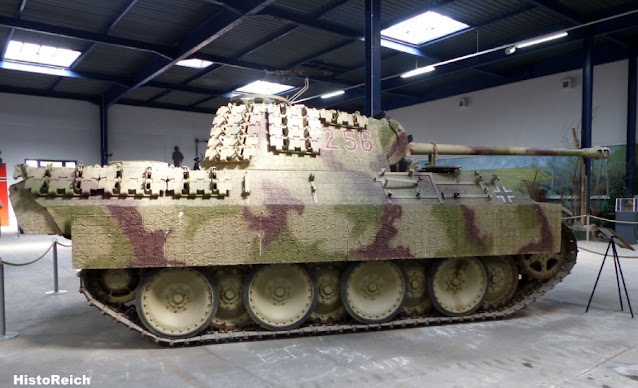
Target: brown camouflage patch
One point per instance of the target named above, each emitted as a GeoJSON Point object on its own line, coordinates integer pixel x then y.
{"type": "Point", "coordinates": [380, 247]}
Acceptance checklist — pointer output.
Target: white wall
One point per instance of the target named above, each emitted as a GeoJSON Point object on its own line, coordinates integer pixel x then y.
{"type": "Point", "coordinates": [532, 113]}
{"type": "Point", "coordinates": [47, 128]}
{"type": "Point", "coordinates": [50, 128]}
{"type": "Point", "coordinates": [137, 133]}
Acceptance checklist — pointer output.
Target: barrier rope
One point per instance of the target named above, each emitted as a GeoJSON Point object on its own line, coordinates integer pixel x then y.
{"type": "Point", "coordinates": [602, 254]}
{"type": "Point", "coordinates": [62, 245]}
{"type": "Point", "coordinates": [29, 262]}
{"type": "Point", "coordinates": [601, 218]}
{"type": "Point", "coordinates": [55, 241]}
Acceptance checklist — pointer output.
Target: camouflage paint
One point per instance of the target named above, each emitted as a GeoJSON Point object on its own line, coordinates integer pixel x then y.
{"type": "Point", "coordinates": [380, 247]}
{"type": "Point", "coordinates": [276, 196]}
{"type": "Point", "coordinates": [547, 238]}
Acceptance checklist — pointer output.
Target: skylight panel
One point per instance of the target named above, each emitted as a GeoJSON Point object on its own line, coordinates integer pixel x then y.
{"type": "Point", "coordinates": [264, 87]}
{"type": "Point", "coordinates": [38, 54]}
{"type": "Point", "coordinates": [423, 28]}
{"type": "Point", "coordinates": [194, 63]}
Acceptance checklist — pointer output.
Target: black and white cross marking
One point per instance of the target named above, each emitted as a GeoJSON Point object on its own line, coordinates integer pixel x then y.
{"type": "Point", "coordinates": [505, 194]}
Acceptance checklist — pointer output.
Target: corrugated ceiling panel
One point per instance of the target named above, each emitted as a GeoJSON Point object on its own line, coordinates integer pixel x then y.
{"type": "Point", "coordinates": [350, 14]}
{"type": "Point", "coordinates": [177, 74]}
{"type": "Point", "coordinates": [82, 86]}
{"type": "Point", "coordinates": [241, 38]}
{"type": "Point", "coordinates": [474, 13]}
{"type": "Point", "coordinates": [590, 9]}
{"type": "Point", "coordinates": [163, 21]}
{"type": "Point", "coordinates": [113, 60]}
{"type": "Point", "coordinates": [509, 30]}
{"type": "Point", "coordinates": [88, 15]}
{"type": "Point", "coordinates": [9, 7]}
{"type": "Point", "coordinates": [144, 93]}
{"type": "Point", "coordinates": [228, 78]}
{"type": "Point", "coordinates": [214, 103]}
{"type": "Point", "coordinates": [181, 98]}
{"type": "Point", "coordinates": [23, 79]}
{"type": "Point", "coordinates": [349, 56]}
{"type": "Point", "coordinates": [306, 7]}
{"type": "Point", "coordinates": [289, 49]}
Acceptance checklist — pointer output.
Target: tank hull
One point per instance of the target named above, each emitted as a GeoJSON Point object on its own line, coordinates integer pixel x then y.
{"type": "Point", "coordinates": [295, 217]}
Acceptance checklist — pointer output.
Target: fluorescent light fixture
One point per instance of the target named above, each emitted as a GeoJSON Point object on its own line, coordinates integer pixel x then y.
{"type": "Point", "coordinates": [264, 87]}
{"type": "Point", "coordinates": [415, 72]}
{"type": "Point", "coordinates": [333, 94]}
{"type": "Point", "coordinates": [39, 54]}
{"type": "Point", "coordinates": [423, 28]}
{"type": "Point", "coordinates": [541, 39]}
{"type": "Point", "coordinates": [194, 63]}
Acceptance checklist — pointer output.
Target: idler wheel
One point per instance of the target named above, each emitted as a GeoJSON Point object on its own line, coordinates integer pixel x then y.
{"type": "Point", "coordinates": [113, 286]}
{"type": "Point", "coordinates": [176, 302]}
{"type": "Point", "coordinates": [280, 296]}
{"type": "Point", "coordinates": [329, 306]}
{"type": "Point", "coordinates": [374, 291]}
{"type": "Point", "coordinates": [543, 266]}
{"type": "Point", "coordinates": [417, 302]}
{"type": "Point", "coordinates": [231, 313]}
{"type": "Point", "coordinates": [502, 275]}
{"type": "Point", "coordinates": [458, 285]}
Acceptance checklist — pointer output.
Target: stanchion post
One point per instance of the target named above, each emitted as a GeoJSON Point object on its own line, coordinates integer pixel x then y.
{"type": "Point", "coordinates": [3, 333]}
{"type": "Point", "coordinates": [55, 291]}
{"type": "Point", "coordinates": [587, 226]}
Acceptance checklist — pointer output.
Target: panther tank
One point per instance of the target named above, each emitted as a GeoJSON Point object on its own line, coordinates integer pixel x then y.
{"type": "Point", "coordinates": [296, 225]}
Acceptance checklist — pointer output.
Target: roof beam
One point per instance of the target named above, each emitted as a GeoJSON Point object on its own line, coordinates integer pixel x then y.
{"type": "Point", "coordinates": [567, 14]}
{"type": "Point", "coordinates": [73, 33]}
{"type": "Point", "coordinates": [262, 42]}
{"type": "Point", "coordinates": [48, 93]}
{"type": "Point", "coordinates": [108, 29]}
{"type": "Point", "coordinates": [163, 105]}
{"type": "Point", "coordinates": [395, 82]}
{"type": "Point", "coordinates": [18, 15]}
{"type": "Point", "coordinates": [127, 7]}
{"type": "Point", "coordinates": [420, 51]}
{"type": "Point", "coordinates": [210, 30]}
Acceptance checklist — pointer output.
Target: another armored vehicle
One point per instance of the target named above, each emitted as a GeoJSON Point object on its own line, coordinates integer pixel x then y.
{"type": "Point", "coordinates": [297, 218]}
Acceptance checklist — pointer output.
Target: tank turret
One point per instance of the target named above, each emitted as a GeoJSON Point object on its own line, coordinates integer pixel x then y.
{"type": "Point", "coordinates": [296, 217]}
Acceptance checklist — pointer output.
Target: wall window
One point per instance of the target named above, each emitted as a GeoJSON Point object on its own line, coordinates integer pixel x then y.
{"type": "Point", "coordinates": [46, 162]}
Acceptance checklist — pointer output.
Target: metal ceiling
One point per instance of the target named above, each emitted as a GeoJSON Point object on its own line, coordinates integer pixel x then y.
{"type": "Point", "coordinates": [130, 47]}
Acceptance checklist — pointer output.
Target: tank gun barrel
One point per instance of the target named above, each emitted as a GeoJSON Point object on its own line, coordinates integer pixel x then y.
{"type": "Point", "coordinates": [449, 149]}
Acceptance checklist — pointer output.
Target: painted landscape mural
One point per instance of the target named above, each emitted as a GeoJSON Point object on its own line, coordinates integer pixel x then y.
{"type": "Point", "coordinates": [554, 179]}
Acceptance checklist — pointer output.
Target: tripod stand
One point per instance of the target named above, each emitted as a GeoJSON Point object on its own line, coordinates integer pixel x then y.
{"type": "Point", "coordinates": [612, 244]}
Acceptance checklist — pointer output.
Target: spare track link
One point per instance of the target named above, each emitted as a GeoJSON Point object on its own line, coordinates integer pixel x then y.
{"type": "Point", "coordinates": [524, 296]}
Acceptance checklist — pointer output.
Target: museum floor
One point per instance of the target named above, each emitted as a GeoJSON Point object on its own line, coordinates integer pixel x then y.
{"type": "Point", "coordinates": [550, 343]}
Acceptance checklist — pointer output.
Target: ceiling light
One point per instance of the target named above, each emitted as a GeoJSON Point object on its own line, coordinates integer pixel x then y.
{"type": "Point", "coordinates": [194, 63]}
{"type": "Point", "coordinates": [423, 28]}
{"type": "Point", "coordinates": [333, 94]}
{"type": "Point", "coordinates": [264, 87]}
{"type": "Point", "coordinates": [38, 54]}
{"type": "Point", "coordinates": [420, 70]}
{"type": "Point", "coordinates": [541, 40]}
{"type": "Point", "coordinates": [510, 50]}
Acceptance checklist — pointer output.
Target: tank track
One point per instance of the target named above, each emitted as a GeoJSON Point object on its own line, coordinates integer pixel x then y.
{"type": "Point", "coordinates": [526, 294]}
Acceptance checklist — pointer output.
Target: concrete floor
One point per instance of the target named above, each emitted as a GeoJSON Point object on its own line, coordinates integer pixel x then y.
{"type": "Point", "coordinates": [552, 343]}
